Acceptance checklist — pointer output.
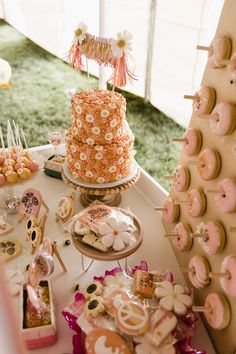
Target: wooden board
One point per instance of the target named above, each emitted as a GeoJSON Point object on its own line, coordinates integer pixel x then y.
{"type": "Point", "coordinates": [224, 340]}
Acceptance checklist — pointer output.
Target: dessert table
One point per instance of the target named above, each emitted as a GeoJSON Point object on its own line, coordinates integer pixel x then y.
{"type": "Point", "coordinates": [155, 249]}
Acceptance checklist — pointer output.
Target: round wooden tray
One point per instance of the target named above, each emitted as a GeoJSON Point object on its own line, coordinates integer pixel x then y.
{"type": "Point", "coordinates": [91, 252]}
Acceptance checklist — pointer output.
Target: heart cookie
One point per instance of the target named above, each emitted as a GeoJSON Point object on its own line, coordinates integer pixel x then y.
{"type": "Point", "coordinates": [9, 249]}
{"type": "Point", "coordinates": [105, 341]}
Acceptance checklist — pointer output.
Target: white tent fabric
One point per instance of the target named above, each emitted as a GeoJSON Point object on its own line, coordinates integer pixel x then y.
{"type": "Point", "coordinates": [167, 69]}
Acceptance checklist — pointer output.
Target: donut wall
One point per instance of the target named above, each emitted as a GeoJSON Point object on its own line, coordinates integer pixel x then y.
{"type": "Point", "coordinates": [199, 215]}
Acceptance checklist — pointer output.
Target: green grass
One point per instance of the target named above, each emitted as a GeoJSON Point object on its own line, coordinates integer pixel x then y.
{"type": "Point", "coordinates": [39, 101]}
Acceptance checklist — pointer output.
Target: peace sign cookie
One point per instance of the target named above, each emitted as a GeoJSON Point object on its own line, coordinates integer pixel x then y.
{"type": "Point", "coordinates": [66, 207]}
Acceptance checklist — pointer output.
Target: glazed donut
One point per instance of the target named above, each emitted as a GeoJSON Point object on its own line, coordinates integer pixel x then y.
{"type": "Point", "coordinates": [231, 69]}
{"type": "Point", "coordinates": [196, 202]}
{"type": "Point", "coordinates": [183, 242]}
{"type": "Point", "coordinates": [226, 200]}
{"type": "Point", "coordinates": [209, 166]}
{"type": "Point", "coordinates": [228, 284]}
{"type": "Point", "coordinates": [215, 240]}
{"type": "Point", "coordinates": [193, 142]}
{"type": "Point", "coordinates": [171, 211]}
{"type": "Point", "coordinates": [223, 119]}
{"type": "Point", "coordinates": [181, 178]}
{"type": "Point", "coordinates": [198, 271]}
{"type": "Point", "coordinates": [204, 100]}
{"type": "Point", "coordinates": [218, 311]}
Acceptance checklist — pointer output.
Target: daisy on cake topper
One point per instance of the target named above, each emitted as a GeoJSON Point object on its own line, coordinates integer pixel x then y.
{"type": "Point", "coordinates": [112, 52]}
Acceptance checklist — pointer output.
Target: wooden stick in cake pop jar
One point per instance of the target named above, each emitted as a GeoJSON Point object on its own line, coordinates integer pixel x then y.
{"type": "Point", "coordinates": [216, 310]}
{"type": "Point", "coordinates": [208, 164]}
{"type": "Point", "coordinates": [192, 141]}
{"type": "Point", "coordinates": [218, 51]}
{"type": "Point", "coordinates": [203, 100]}
{"type": "Point", "coordinates": [225, 195]}
{"type": "Point", "coordinates": [170, 210]}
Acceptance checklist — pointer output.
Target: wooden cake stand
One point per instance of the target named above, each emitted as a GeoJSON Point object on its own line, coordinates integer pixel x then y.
{"type": "Point", "coordinates": [109, 195]}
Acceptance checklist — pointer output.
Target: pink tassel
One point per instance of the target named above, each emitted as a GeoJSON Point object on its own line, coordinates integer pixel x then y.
{"type": "Point", "coordinates": [121, 72]}
{"type": "Point", "coordinates": [74, 57]}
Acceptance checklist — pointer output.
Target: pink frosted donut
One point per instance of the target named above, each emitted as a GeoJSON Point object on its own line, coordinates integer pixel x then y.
{"type": "Point", "coordinates": [215, 240]}
{"type": "Point", "coordinates": [218, 314]}
{"type": "Point", "coordinates": [209, 168]}
{"type": "Point", "coordinates": [226, 201]}
{"type": "Point", "coordinates": [231, 69]}
{"type": "Point", "coordinates": [228, 284]}
{"type": "Point", "coordinates": [220, 50]}
{"type": "Point", "coordinates": [184, 241]}
{"type": "Point", "coordinates": [171, 211]}
{"type": "Point", "coordinates": [200, 271]}
{"type": "Point", "coordinates": [196, 202]}
{"type": "Point", "coordinates": [223, 119]}
{"type": "Point", "coordinates": [204, 100]}
{"type": "Point", "coordinates": [181, 178]}
{"type": "Point", "coordinates": [193, 142]}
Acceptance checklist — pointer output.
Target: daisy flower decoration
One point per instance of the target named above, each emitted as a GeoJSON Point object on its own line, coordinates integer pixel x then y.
{"type": "Point", "coordinates": [173, 297]}
{"type": "Point", "coordinates": [80, 33]}
{"type": "Point", "coordinates": [122, 44]}
{"type": "Point", "coordinates": [115, 233]}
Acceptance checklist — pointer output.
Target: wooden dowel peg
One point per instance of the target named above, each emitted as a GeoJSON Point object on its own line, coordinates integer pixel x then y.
{"type": "Point", "coordinates": [203, 47]}
{"type": "Point", "coordinates": [186, 270]}
{"type": "Point", "coordinates": [200, 308]}
{"type": "Point", "coordinates": [190, 97]}
{"type": "Point", "coordinates": [169, 177]}
{"type": "Point", "coordinates": [57, 254]}
{"type": "Point", "coordinates": [232, 228]}
{"type": "Point", "coordinates": [160, 209]}
{"type": "Point", "coordinates": [181, 202]}
{"type": "Point", "coordinates": [213, 191]}
{"type": "Point", "coordinates": [194, 162]}
{"type": "Point", "coordinates": [179, 140]}
{"type": "Point", "coordinates": [194, 234]}
{"type": "Point", "coordinates": [228, 140]}
{"type": "Point", "coordinates": [219, 275]}
{"type": "Point", "coordinates": [205, 116]}
{"type": "Point", "coordinates": [171, 235]}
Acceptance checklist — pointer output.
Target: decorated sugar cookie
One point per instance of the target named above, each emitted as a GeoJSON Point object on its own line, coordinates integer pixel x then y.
{"type": "Point", "coordinates": [66, 208]}
{"type": "Point", "coordinates": [30, 203]}
{"type": "Point", "coordinates": [9, 249]}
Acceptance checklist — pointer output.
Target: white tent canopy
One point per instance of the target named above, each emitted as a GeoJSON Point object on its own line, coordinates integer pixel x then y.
{"type": "Point", "coordinates": [165, 35]}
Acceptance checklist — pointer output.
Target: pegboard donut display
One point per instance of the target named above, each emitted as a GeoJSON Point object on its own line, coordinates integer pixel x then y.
{"type": "Point", "coordinates": [199, 215]}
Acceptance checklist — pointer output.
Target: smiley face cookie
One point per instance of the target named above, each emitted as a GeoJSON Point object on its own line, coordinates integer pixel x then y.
{"type": "Point", "coordinates": [105, 341]}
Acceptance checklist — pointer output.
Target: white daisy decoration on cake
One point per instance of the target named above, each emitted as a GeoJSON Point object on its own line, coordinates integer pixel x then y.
{"type": "Point", "coordinates": [75, 130]}
{"type": "Point", "coordinates": [80, 33]}
{"type": "Point", "coordinates": [77, 165]}
{"type": "Point", "coordinates": [75, 174]}
{"type": "Point", "coordinates": [108, 136]}
{"type": "Point", "coordinates": [89, 174]}
{"type": "Point", "coordinates": [99, 147]}
{"type": "Point", "coordinates": [99, 102]}
{"type": "Point", "coordinates": [90, 141]}
{"type": "Point", "coordinates": [100, 180]}
{"type": "Point", "coordinates": [120, 150]}
{"type": "Point", "coordinates": [113, 123]}
{"type": "Point", "coordinates": [78, 109]}
{"type": "Point", "coordinates": [119, 132]}
{"type": "Point", "coordinates": [73, 148]}
{"type": "Point", "coordinates": [121, 160]}
{"type": "Point", "coordinates": [112, 105]}
{"type": "Point", "coordinates": [78, 123]}
{"type": "Point", "coordinates": [98, 156]}
{"type": "Point", "coordinates": [70, 158]}
{"type": "Point", "coordinates": [112, 169]}
{"type": "Point", "coordinates": [118, 177]}
{"type": "Point", "coordinates": [69, 137]}
{"type": "Point", "coordinates": [115, 233]}
{"type": "Point", "coordinates": [96, 130]}
{"type": "Point", "coordinates": [172, 297]}
{"type": "Point", "coordinates": [105, 113]}
{"type": "Point", "coordinates": [82, 156]}
{"type": "Point", "coordinates": [122, 44]}
{"type": "Point", "coordinates": [89, 118]}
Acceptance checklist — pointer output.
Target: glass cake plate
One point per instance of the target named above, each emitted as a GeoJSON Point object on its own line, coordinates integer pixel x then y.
{"type": "Point", "coordinates": [68, 174]}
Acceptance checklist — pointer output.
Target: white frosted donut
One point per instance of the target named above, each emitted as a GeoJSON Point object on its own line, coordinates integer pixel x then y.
{"type": "Point", "coordinates": [223, 119]}
{"type": "Point", "coordinates": [214, 242]}
{"type": "Point", "coordinates": [209, 166]}
{"type": "Point", "coordinates": [171, 211]}
{"type": "Point", "coordinates": [184, 241]}
{"type": "Point", "coordinates": [193, 142]}
{"type": "Point", "coordinates": [220, 50]}
{"type": "Point", "coordinates": [199, 276]}
{"type": "Point", "coordinates": [218, 314]}
{"type": "Point", "coordinates": [181, 178]}
{"type": "Point", "coordinates": [196, 202]}
{"type": "Point", "coordinates": [226, 201]}
{"type": "Point", "coordinates": [231, 69]}
{"type": "Point", "coordinates": [204, 100]}
{"type": "Point", "coordinates": [228, 284]}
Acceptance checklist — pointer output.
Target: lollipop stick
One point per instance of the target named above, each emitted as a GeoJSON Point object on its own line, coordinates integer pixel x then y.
{"type": "Point", "coordinates": [23, 136]}
{"type": "Point", "coordinates": [2, 141]}
{"type": "Point", "coordinates": [200, 308]}
{"type": "Point", "coordinates": [189, 97]}
{"type": "Point", "coordinates": [232, 228]}
{"type": "Point", "coordinates": [176, 139]}
{"type": "Point", "coordinates": [202, 47]}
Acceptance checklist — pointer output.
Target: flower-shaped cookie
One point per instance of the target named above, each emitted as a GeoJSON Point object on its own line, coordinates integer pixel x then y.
{"type": "Point", "coordinates": [116, 281]}
{"type": "Point", "coordinates": [115, 233]}
{"type": "Point", "coordinates": [173, 297]}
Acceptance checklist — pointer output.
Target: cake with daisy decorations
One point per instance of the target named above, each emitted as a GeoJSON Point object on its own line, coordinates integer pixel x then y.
{"type": "Point", "coordinates": [99, 142]}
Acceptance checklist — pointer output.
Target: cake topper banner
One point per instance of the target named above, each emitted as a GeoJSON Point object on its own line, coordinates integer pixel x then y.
{"type": "Point", "coordinates": [108, 51]}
